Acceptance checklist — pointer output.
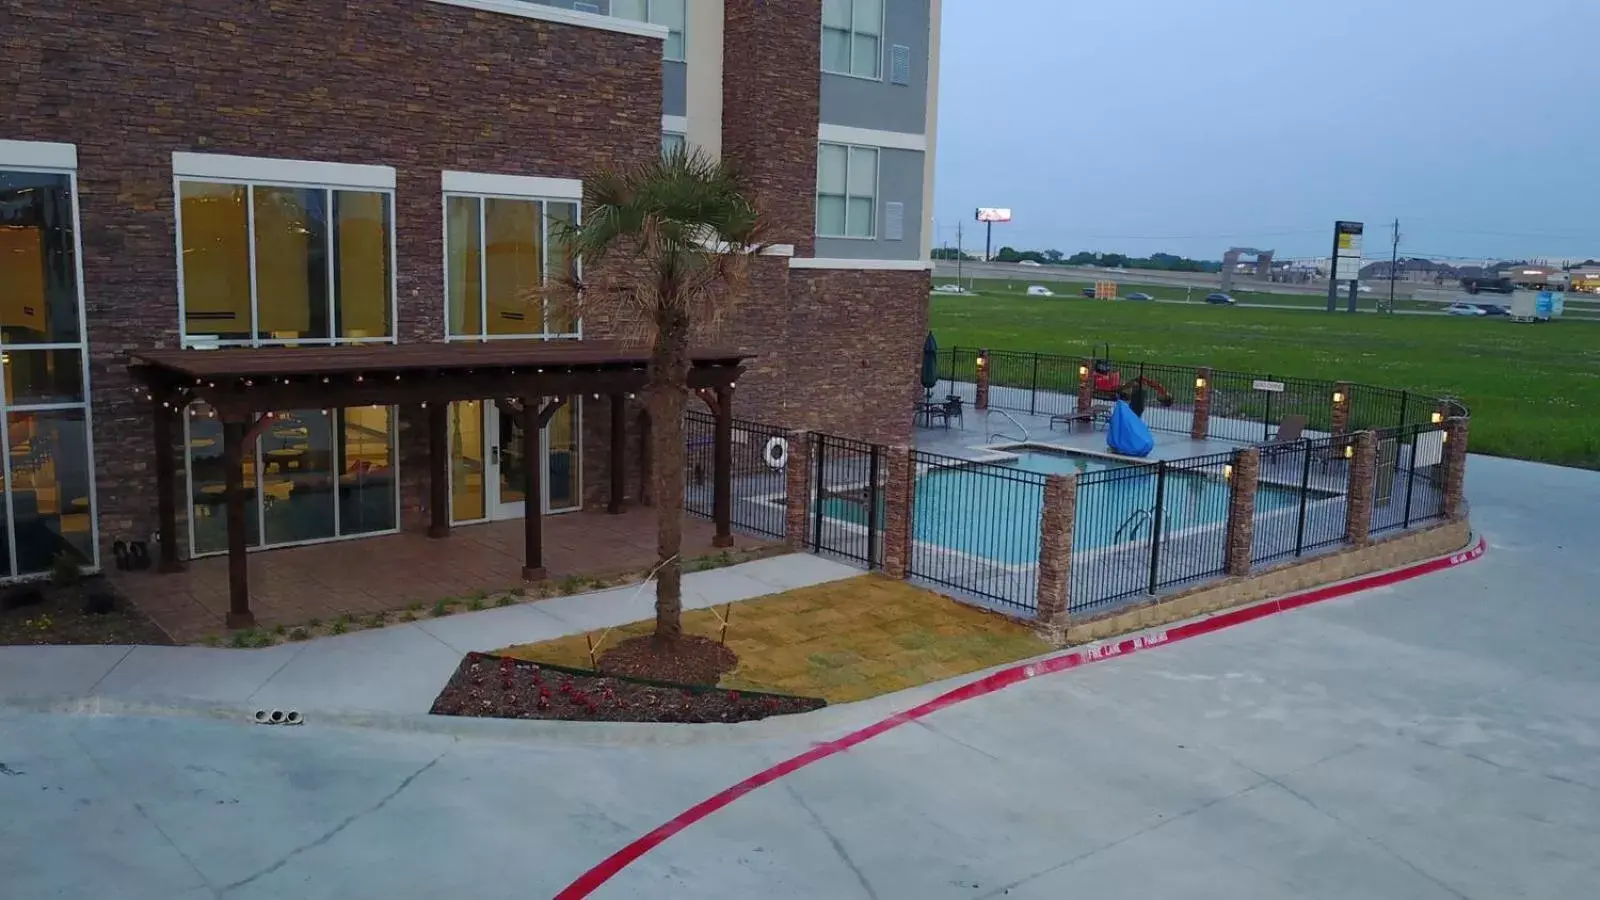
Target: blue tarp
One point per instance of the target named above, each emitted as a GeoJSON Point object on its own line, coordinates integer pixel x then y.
{"type": "Point", "coordinates": [1127, 433]}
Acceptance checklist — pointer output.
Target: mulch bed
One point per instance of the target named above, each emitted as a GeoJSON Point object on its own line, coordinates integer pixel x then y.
{"type": "Point", "coordinates": [41, 613]}
{"type": "Point", "coordinates": [501, 687]}
{"type": "Point", "coordinates": [692, 660]}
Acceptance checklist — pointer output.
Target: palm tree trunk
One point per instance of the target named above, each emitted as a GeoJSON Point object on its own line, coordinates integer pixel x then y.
{"type": "Point", "coordinates": [669, 375]}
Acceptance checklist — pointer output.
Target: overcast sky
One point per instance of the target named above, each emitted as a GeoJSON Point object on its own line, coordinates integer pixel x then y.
{"type": "Point", "coordinates": [1190, 127]}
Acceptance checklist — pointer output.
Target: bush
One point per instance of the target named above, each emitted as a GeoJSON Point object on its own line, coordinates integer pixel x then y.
{"type": "Point", "coordinates": [21, 595]}
{"type": "Point", "coordinates": [299, 634]}
{"type": "Point", "coordinates": [99, 602]}
{"type": "Point", "coordinates": [64, 571]}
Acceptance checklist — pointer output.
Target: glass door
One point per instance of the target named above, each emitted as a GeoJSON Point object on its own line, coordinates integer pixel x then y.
{"type": "Point", "coordinates": [508, 450]}
{"type": "Point", "coordinates": [562, 455]}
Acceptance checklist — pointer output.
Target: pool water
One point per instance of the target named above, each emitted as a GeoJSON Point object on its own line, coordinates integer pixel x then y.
{"type": "Point", "coordinates": [970, 512]}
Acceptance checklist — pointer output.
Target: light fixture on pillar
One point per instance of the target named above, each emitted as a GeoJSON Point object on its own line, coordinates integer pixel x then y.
{"type": "Point", "coordinates": [1227, 470]}
{"type": "Point", "coordinates": [1200, 383]}
{"type": "Point", "coordinates": [1349, 451]}
{"type": "Point", "coordinates": [1338, 396]}
{"type": "Point", "coordinates": [1437, 417]}
{"type": "Point", "coordinates": [1083, 371]}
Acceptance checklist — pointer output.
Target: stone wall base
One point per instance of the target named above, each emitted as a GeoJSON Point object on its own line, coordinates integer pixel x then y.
{"type": "Point", "coordinates": [1381, 555]}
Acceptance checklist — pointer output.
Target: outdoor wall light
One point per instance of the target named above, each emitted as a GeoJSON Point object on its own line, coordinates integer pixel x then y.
{"type": "Point", "coordinates": [1444, 437]}
{"type": "Point", "coordinates": [1349, 451]}
{"type": "Point", "coordinates": [1083, 371]}
{"type": "Point", "coordinates": [1438, 417]}
{"type": "Point", "coordinates": [1227, 471]}
{"type": "Point", "coordinates": [1199, 384]}
{"type": "Point", "coordinates": [983, 362]}
{"type": "Point", "coordinates": [1338, 396]}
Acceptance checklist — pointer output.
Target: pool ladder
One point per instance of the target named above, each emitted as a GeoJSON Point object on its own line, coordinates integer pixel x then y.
{"type": "Point", "coordinates": [1129, 529]}
{"type": "Point", "coordinates": [1022, 440]}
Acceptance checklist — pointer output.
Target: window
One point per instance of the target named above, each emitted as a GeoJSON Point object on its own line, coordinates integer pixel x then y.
{"type": "Point", "coordinates": [275, 264]}
{"type": "Point", "coordinates": [498, 256]}
{"type": "Point", "coordinates": [672, 142]}
{"type": "Point", "coordinates": [670, 13]}
{"type": "Point", "coordinates": [48, 502]}
{"type": "Point", "coordinates": [847, 191]}
{"type": "Point", "coordinates": [852, 37]}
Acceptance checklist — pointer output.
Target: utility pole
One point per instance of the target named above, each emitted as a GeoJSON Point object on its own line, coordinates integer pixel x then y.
{"type": "Point", "coordinates": [1394, 263]}
{"type": "Point", "coordinates": [960, 254]}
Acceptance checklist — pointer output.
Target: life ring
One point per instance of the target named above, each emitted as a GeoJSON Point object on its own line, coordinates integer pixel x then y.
{"type": "Point", "coordinates": [776, 453]}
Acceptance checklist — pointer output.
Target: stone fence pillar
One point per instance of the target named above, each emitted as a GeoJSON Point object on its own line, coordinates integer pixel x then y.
{"type": "Point", "coordinates": [1201, 426]}
{"type": "Point", "coordinates": [797, 492]}
{"type": "Point", "coordinates": [1241, 535]}
{"type": "Point", "coordinates": [981, 400]}
{"type": "Point", "coordinates": [1362, 490]}
{"type": "Point", "coordinates": [1055, 550]}
{"type": "Point", "coordinates": [899, 510]}
{"type": "Point", "coordinates": [1085, 386]}
{"type": "Point", "coordinates": [1341, 409]}
{"type": "Point", "coordinates": [1455, 467]}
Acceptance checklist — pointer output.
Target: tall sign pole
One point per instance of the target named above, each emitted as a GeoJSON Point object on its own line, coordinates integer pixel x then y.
{"type": "Point", "coordinates": [988, 240]}
{"type": "Point", "coordinates": [988, 216]}
{"type": "Point", "coordinates": [1346, 263]}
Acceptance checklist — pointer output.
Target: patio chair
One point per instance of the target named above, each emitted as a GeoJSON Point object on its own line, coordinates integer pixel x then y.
{"type": "Point", "coordinates": [953, 410]}
{"type": "Point", "coordinates": [1288, 434]}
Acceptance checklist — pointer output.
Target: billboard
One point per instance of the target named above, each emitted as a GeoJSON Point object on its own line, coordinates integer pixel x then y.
{"type": "Point", "coordinates": [987, 214]}
{"type": "Point", "coordinates": [1347, 251]}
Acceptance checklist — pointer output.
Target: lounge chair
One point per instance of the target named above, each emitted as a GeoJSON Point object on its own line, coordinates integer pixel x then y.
{"type": "Point", "coordinates": [1288, 434]}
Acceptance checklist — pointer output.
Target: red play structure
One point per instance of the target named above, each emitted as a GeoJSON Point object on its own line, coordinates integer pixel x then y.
{"type": "Point", "coordinates": [1108, 385]}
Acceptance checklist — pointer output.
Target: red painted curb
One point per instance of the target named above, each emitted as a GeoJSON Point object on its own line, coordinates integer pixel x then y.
{"type": "Point", "coordinates": [591, 880]}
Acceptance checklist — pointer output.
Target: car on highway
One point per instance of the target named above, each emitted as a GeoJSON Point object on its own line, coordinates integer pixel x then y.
{"type": "Point", "coordinates": [1220, 298]}
{"type": "Point", "coordinates": [1139, 295]}
{"type": "Point", "coordinates": [1494, 309]}
{"type": "Point", "coordinates": [1029, 262]}
{"type": "Point", "coordinates": [1464, 309]}
{"type": "Point", "coordinates": [1089, 292]}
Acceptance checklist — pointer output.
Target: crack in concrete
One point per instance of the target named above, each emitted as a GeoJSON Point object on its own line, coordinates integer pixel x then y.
{"type": "Point", "coordinates": [335, 830]}
{"type": "Point", "coordinates": [1456, 751]}
{"type": "Point", "coordinates": [268, 680]}
{"type": "Point", "coordinates": [101, 680]}
{"type": "Point", "coordinates": [144, 813]}
{"type": "Point", "coordinates": [838, 847]}
{"type": "Point", "coordinates": [957, 741]}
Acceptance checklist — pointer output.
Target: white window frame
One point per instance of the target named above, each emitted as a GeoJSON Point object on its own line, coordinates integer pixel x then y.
{"type": "Point", "coordinates": [253, 172]}
{"type": "Point", "coordinates": [481, 187]}
{"type": "Point", "coordinates": [883, 25]}
{"type": "Point", "coordinates": [48, 158]}
{"type": "Point", "coordinates": [877, 187]}
{"type": "Point", "coordinates": [652, 18]}
{"type": "Point", "coordinates": [682, 140]}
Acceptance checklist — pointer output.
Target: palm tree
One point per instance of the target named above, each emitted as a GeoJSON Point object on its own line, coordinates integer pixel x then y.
{"type": "Point", "coordinates": [670, 241]}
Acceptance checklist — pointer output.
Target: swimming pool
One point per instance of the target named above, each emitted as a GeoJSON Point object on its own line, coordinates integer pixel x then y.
{"type": "Point", "coordinates": [969, 511]}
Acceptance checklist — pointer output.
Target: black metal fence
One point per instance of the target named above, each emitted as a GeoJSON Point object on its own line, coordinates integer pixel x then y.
{"type": "Point", "coordinates": [1146, 529]}
{"type": "Point", "coordinates": [1245, 407]}
{"type": "Point", "coordinates": [976, 528]}
{"type": "Point", "coordinates": [847, 508]}
{"type": "Point", "coordinates": [758, 486]}
{"type": "Point", "coordinates": [1410, 478]}
{"type": "Point", "coordinates": [1301, 500]}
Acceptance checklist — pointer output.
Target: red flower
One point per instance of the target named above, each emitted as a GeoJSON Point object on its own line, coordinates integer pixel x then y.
{"type": "Point", "coordinates": [733, 696]}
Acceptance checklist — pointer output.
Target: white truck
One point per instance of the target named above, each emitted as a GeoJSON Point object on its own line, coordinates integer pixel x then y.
{"type": "Point", "coordinates": [1537, 306]}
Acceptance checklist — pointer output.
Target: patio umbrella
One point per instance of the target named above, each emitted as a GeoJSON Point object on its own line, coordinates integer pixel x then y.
{"type": "Point", "coordinates": [930, 364]}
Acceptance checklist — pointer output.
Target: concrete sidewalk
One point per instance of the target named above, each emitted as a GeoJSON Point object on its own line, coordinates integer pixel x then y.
{"type": "Point", "coordinates": [397, 670]}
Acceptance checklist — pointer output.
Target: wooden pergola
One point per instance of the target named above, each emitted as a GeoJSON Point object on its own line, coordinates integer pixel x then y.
{"type": "Point", "coordinates": [242, 385]}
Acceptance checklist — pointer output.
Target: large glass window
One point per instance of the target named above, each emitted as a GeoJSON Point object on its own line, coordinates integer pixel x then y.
{"type": "Point", "coordinates": [48, 476]}
{"type": "Point", "coordinates": [499, 253]}
{"type": "Point", "coordinates": [267, 264]}
{"type": "Point", "coordinates": [672, 142]}
{"type": "Point", "coordinates": [671, 13]}
{"type": "Point", "coordinates": [852, 37]}
{"type": "Point", "coordinates": [847, 191]}
{"type": "Point", "coordinates": [309, 475]}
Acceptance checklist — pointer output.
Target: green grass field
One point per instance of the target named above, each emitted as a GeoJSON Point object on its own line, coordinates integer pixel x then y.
{"type": "Point", "coordinates": [1534, 390]}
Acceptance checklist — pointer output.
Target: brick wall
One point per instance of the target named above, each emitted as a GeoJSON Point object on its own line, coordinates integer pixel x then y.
{"type": "Point", "coordinates": [419, 86]}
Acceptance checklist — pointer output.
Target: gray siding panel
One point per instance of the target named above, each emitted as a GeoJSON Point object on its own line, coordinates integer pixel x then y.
{"type": "Point", "coordinates": [899, 181]}
{"type": "Point", "coordinates": [863, 103]}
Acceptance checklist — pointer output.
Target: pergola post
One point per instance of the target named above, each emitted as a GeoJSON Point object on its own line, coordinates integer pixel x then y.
{"type": "Point", "coordinates": [439, 470]}
{"type": "Point", "coordinates": [233, 438]}
{"type": "Point", "coordinates": [166, 488]}
{"type": "Point", "coordinates": [533, 506]}
{"type": "Point", "coordinates": [619, 437]}
{"type": "Point", "coordinates": [722, 464]}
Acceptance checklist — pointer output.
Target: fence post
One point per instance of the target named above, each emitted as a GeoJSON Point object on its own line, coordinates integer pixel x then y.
{"type": "Point", "coordinates": [1341, 408]}
{"type": "Point", "coordinates": [797, 490]}
{"type": "Point", "coordinates": [819, 487]}
{"type": "Point", "coordinates": [1054, 589]}
{"type": "Point", "coordinates": [1158, 515]}
{"type": "Point", "coordinates": [1033, 392]}
{"type": "Point", "coordinates": [1362, 489]}
{"type": "Point", "coordinates": [981, 399]}
{"type": "Point", "coordinates": [1242, 510]}
{"type": "Point", "coordinates": [1201, 426]}
{"type": "Point", "coordinates": [1455, 466]}
{"type": "Point", "coordinates": [874, 471]}
{"type": "Point", "coordinates": [899, 511]}
{"type": "Point", "coordinates": [1085, 386]}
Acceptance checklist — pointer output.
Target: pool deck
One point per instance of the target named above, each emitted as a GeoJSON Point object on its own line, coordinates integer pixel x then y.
{"type": "Point", "coordinates": [967, 440]}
